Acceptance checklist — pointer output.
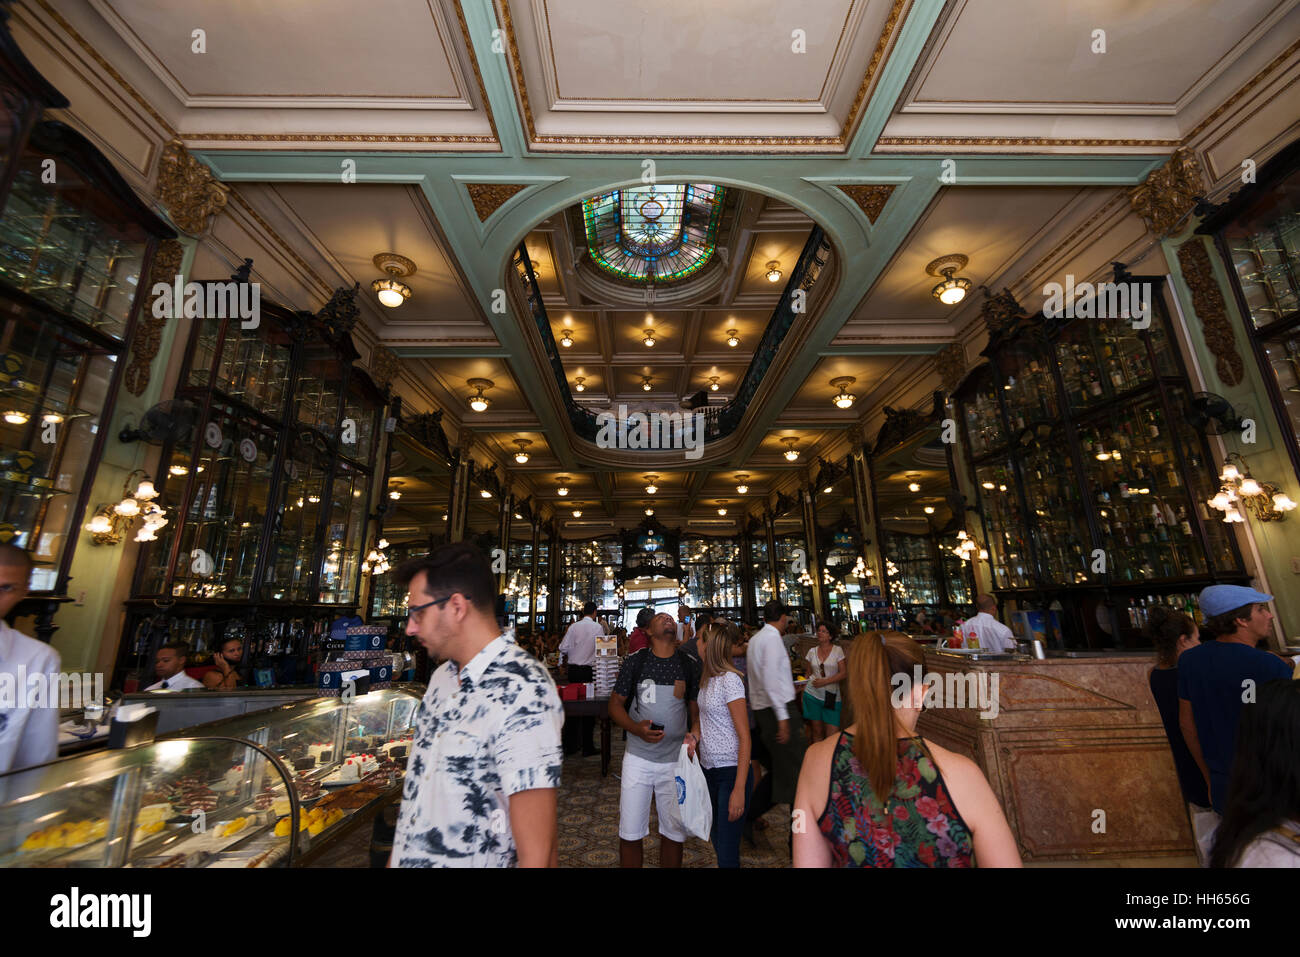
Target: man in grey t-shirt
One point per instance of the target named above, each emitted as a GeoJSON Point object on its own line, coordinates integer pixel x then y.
{"type": "Point", "coordinates": [659, 714]}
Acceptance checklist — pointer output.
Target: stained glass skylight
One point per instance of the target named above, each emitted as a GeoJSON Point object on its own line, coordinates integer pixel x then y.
{"type": "Point", "coordinates": [657, 233]}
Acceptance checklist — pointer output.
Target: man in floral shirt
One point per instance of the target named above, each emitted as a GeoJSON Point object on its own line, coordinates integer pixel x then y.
{"type": "Point", "coordinates": [484, 770]}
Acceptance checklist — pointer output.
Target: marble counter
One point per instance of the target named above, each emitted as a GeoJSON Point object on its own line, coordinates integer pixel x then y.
{"type": "Point", "coordinates": [1074, 749]}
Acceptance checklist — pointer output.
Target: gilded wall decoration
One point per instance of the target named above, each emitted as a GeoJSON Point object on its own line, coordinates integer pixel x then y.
{"type": "Point", "coordinates": [340, 314]}
{"type": "Point", "coordinates": [999, 311]}
{"type": "Point", "coordinates": [489, 197]}
{"type": "Point", "coordinates": [188, 189]}
{"type": "Point", "coordinates": [871, 199]}
{"type": "Point", "coordinates": [1169, 193]}
{"type": "Point", "coordinates": [1208, 304]}
{"type": "Point", "coordinates": [383, 366]}
{"type": "Point", "coordinates": [148, 337]}
{"type": "Point", "coordinates": [950, 361]}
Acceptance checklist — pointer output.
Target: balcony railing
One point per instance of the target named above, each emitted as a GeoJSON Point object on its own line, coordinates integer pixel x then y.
{"type": "Point", "coordinates": [719, 421]}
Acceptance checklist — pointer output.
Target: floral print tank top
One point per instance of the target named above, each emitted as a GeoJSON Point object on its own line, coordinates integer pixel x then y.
{"type": "Point", "coordinates": [919, 827]}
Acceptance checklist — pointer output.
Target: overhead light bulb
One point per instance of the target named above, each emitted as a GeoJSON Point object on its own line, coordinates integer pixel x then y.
{"type": "Point", "coordinates": [522, 455]}
{"type": "Point", "coordinates": [145, 491]}
{"type": "Point", "coordinates": [791, 453]}
{"type": "Point", "coordinates": [479, 403]}
{"type": "Point", "coordinates": [1249, 487]}
{"type": "Point", "coordinates": [843, 399]}
{"type": "Point", "coordinates": [1230, 473]}
{"type": "Point", "coordinates": [915, 487]}
{"type": "Point", "coordinates": [314, 499]}
{"type": "Point", "coordinates": [773, 273]}
{"type": "Point", "coordinates": [713, 383]}
{"type": "Point", "coordinates": [742, 487]}
{"type": "Point", "coordinates": [951, 290]}
{"type": "Point", "coordinates": [15, 417]}
{"type": "Point", "coordinates": [722, 510]}
{"type": "Point", "coordinates": [484, 493]}
{"type": "Point", "coordinates": [987, 485]}
{"type": "Point", "coordinates": [51, 418]}
{"type": "Point", "coordinates": [929, 510]}
{"type": "Point", "coordinates": [648, 337]}
{"type": "Point", "coordinates": [645, 384]}
{"type": "Point", "coordinates": [563, 490]}
{"type": "Point", "coordinates": [100, 525]}
{"type": "Point", "coordinates": [579, 380]}
{"type": "Point", "coordinates": [733, 339]}
{"type": "Point", "coordinates": [649, 512]}
{"type": "Point", "coordinates": [128, 507]}
{"type": "Point", "coordinates": [566, 339]}
{"type": "Point", "coordinates": [391, 292]}
{"type": "Point", "coordinates": [651, 487]}
{"type": "Point", "coordinates": [577, 513]}
{"type": "Point", "coordinates": [827, 490]}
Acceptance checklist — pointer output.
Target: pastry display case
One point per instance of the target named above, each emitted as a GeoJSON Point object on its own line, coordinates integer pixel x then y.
{"type": "Point", "coordinates": [270, 445]}
{"type": "Point", "coordinates": [76, 245]}
{"type": "Point", "coordinates": [264, 789]}
{"type": "Point", "coordinates": [1091, 481]}
{"type": "Point", "coordinates": [183, 802]}
{"type": "Point", "coordinates": [1257, 233]}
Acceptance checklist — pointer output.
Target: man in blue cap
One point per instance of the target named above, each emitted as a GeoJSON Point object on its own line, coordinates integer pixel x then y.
{"type": "Point", "coordinates": [1217, 677]}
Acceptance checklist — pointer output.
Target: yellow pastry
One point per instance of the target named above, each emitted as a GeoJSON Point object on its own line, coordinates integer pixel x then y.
{"type": "Point", "coordinates": [234, 827]}
{"type": "Point", "coordinates": [316, 828]}
{"type": "Point", "coordinates": [282, 827]}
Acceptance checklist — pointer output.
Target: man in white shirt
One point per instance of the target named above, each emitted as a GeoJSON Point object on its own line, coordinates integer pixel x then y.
{"type": "Point", "coordinates": [771, 693]}
{"type": "Point", "coordinates": [992, 635]}
{"type": "Point", "coordinates": [684, 630]}
{"type": "Point", "coordinates": [169, 666]}
{"type": "Point", "coordinates": [28, 736]}
{"type": "Point", "coordinates": [579, 648]}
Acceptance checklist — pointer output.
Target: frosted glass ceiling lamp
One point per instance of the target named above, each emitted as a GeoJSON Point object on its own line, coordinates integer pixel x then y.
{"type": "Point", "coordinates": [742, 483]}
{"type": "Point", "coordinates": [391, 291]}
{"type": "Point", "coordinates": [478, 401]}
{"type": "Point", "coordinates": [15, 417]}
{"type": "Point", "coordinates": [843, 399]}
{"type": "Point", "coordinates": [578, 383]}
{"type": "Point", "coordinates": [395, 491]}
{"type": "Point", "coordinates": [563, 490]}
{"type": "Point", "coordinates": [733, 339]}
{"type": "Point", "coordinates": [648, 338]}
{"type": "Point", "coordinates": [952, 290]}
{"type": "Point", "coordinates": [484, 493]}
{"type": "Point", "coordinates": [790, 453]}
{"type": "Point", "coordinates": [522, 455]}
{"type": "Point", "coordinates": [566, 339]}
{"type": "Point", "coordinates": [646, 384]}
{"type": "Point", "coordinates": [651, 487]}
{"type": "Point", "coordinates": [773, 273]}
{"type": "Point", "coordinates": [713, 383]}
{"type": "Point", "coordinates": [916, 487]}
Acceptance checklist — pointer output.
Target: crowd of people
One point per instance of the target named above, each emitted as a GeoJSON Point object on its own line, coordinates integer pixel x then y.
{"type": "Point", "coordinates": [874, 793]}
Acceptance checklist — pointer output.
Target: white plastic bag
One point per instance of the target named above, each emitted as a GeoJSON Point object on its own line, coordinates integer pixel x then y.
{"type": "Point", "coordinates": [693, 796]}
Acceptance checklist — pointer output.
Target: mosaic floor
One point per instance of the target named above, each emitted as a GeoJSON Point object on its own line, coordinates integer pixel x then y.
{"type": "Point", "coordinates": [588, 823]}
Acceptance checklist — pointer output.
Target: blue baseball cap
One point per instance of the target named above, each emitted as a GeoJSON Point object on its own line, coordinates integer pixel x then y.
{"type": "Point", "coordinates": [1216, 599]}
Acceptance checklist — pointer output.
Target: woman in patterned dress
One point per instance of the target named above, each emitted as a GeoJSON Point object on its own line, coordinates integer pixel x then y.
{"type": "Point", "coordinates": [879, 795]}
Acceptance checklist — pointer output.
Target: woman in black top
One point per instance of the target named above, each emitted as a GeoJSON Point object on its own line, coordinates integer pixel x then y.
{"type": "Point", "coordinates": [1172, 633]}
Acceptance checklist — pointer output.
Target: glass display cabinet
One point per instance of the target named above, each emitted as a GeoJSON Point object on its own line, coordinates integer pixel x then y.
{"type": "Point", "coordinates": [76, 246]}
{"type": "Point", "coordinates": [270, 446]}
{"type": "Point", "coordinates": [919, 514]}
{"type": "Point", "coordinates": [188, 801]}
{"type": "Point", "coordinates": [1257, 232]}
{"type": "Point", "coordinates": [794, 586]}
{"type": "Point", "coordinates": [269, 788]}
{"type": "Point", "coordinates": [844, 572]}
{"type": "Point", "coordinates": [1092, 483]}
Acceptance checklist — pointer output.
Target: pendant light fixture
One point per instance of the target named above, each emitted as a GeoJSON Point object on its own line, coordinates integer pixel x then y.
{"type": "Point", "coordinates": [733, 338]}
{"type": "Point", "coordinates": [651, 487]}
{"type": "Point", "coordinates": [952, 290]}
{"type": "Point", "coordinates": [790, 453]}
{"type": "Point", "coordinates": [392, 292]}
{"type": "Point", "coordinates": [773, 273]}
{"type": "Point", "coordinates": [742, 485]}
{"type": "Point", "coordinates": [578, 385]}
{"type": "Point", "coordinates": [478, 401]}
{"type": "Point", "coordinates": [563, 490]}
{"type": "Point", "coordinates": [843, 399]}
{"type": "Point", "coordinates": [566, 339]}
{"type": "Point", "coordinates": [522, 455]}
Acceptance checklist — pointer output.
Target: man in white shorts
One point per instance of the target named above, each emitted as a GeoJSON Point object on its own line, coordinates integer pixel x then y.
{"type": "Point", "coordinates": [658, 686]}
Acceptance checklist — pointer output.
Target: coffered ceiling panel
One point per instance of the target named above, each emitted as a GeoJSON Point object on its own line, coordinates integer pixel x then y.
{"type": "Point", "coordinates": [592, 74]}
{"type": "Point", "coordinates": [1090, 75]}
{"type": "Point", "coordinates": [389, 72]}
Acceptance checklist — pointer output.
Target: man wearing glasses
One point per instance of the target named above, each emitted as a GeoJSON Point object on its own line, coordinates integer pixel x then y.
{"type": "Point", "coordinates": [484, 770]}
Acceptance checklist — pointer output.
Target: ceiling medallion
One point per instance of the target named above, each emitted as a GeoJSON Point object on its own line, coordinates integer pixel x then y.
{"type": "Point", "coordinates": [951, 291]}
{"type": "Point", "coordinates": [391, 291]}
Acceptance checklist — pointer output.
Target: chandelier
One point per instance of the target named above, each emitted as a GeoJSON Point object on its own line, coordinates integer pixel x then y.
{"type": "Point", "coordinates": [111, 522]}
{"type": "Point", "coordinates": [1241, 494]}
{"type": "Point", "coordinates": [376, 562]}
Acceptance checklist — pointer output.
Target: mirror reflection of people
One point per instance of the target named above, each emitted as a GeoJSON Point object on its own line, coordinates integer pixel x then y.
{"type": "Point", "coordinates": [169, 667]}
{"type": "Point", "coordinates": [992, 635]}
{"type": "Point", "coordinates": [28, 736]}
{"type": "Point", "coordinates": [225, 671]}
{"type": "Point", "coordinates": [823, 700]}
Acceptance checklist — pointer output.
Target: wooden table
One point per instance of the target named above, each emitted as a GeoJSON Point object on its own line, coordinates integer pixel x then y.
{"type": "Point", "coordinates": [595, 708]}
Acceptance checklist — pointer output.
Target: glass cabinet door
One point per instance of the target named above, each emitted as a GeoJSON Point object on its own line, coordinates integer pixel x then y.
{"type": "Point", "coordinates": [319, 385]}
{"type": "Point", "coordinates": [345, 536]}
{"type": "Point", "coordinates": [983, 417]}
{"type": "Point", "coordinates": [1008, 549]}
{"type": "Point", "coordinates": [291, 569]}
{"type": "Point", "coordinates": [1057, 517]}
{"type": "Point", "coordinates": [1142, 503]}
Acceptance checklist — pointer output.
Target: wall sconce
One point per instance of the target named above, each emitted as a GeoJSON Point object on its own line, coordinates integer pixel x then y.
{"type": "Point", "coordinates": [1239, 489]}
{"type": "Point", "coordinates": [110, 522]}
{"type": "Point", "coordinates": [376, 562]}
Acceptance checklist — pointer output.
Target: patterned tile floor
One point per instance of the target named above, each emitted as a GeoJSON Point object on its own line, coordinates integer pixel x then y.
{"type": "Point", "coordinates": [588, 823]}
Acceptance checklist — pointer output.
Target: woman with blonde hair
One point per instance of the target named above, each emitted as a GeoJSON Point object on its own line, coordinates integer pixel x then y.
{"type": "Point", "coordinates": [724, 737]}
{"type": "Point", "coordinates": [882, 796]}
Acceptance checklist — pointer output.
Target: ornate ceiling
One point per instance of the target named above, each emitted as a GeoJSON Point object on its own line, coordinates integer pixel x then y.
{"type": "Point", "coordinates": [450, 132]}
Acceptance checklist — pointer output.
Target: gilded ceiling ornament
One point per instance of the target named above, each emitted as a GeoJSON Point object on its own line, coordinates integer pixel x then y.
{"type": "Point", "coordinates": [950, 361]}
{"type": "Point", "coordinates": [148, 338]}
{"type": "Point", "coordinates": [1169, 193]}
{"type": "Point", "coordinates": [383, 365]}
{"type": "Point", "coordinates": [188, 189]}
{"type": "Point", "coordinates": [1208, 304]}
{"type": "Point", "coordinates": [489, 197]}
{"type": "Point", "coordinates": [871, 199]}
{"type": "Point", "coordinates": [999, 311]}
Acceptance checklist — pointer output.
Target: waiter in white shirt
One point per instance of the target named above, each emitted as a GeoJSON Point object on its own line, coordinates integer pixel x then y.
{"type": "Point", "coordinates": [169, 666]}
{"type": "Point", "coordinates": [579, 649]}
{"type": "Point", "coordinates": [992, 635]}
{"type": "Point", "coordinates": [771, 694]}
{"type": "Point", "coordinates": [28, 736]}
